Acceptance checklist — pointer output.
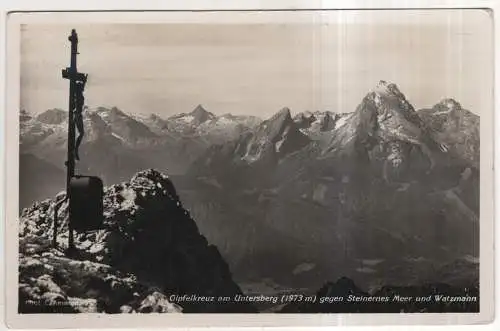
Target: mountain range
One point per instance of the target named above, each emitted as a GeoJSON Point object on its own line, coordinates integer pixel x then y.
{"type": "Point", "coordinates": [116, 145]}
{"type": "Point", "coordinates": [296, 199]}
{"type": "Point", "coordinates": [383, 185]}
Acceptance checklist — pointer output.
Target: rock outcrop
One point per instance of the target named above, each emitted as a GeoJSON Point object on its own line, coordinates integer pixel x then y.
{"type": "Point", "coordinates": [316, 122]}
{"type": "Point", "coordinates": [273, 139]}
{"type": "Point", "coordinates": [148, 249]}
{"type": "Point", "coordinates": [53, 116]}
{"type": "Point", "coordinates": [456, 127]}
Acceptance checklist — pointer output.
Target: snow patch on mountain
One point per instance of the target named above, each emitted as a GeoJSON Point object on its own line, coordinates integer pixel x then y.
{"type": "Point", "coordinates": [278, 144]}
{"type": "Point", "coordinates": [303, 267]}
{"type": "Point", "coordinates": [342, 120]}
{"type": "Point", "coordinates": [319, 193]}
{"type": "Point", "coordinates": [187, 118]}
{"type": "Point", "coordinates": [118, 137]}
{"type": "Point", "coordinates": [316, 122]}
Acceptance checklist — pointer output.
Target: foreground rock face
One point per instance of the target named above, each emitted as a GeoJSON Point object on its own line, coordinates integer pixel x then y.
{"type": "Point", "coordinates": [148, 249]}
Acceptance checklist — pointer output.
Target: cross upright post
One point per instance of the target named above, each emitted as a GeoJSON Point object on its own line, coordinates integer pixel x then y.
{"type": "Point", "coordinates": [73, 75]}
{"type": "Point", "coordinates": [84, 193]}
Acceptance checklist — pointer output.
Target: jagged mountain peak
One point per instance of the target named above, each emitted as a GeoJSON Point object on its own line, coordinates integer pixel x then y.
{"type": "Point", "coordinates": [201, 115]}
{"type": "Point", "coordinates": [387, 95]}
{"type": "Point", "coordinates": [113, 111]}
{"type": "Point", "coordinates": [154, 116]}
{"type": "Point", "coordinates": [386, 124]}
{"type": "Point", "coordinates": [24, 116]}
{"type": "Point", "coordinates": [456, 127]}
{"type": "Point", "coordinates": [264, 143]}
{"type": "Point", "coordinates": [279, 120]}
{"type": "Point", "coordinates": [124, 126]}
{"type": "Point", "coordinates": [304, 116]}
{"type": "Point", "coordinates": [277, 123]}
{"type": "Point", "coordinates": [389, 103]}
{"type": "Point", "coordinates": [318, 121]}
{"type": "Point", "coordinates": [53, 116]}
{"type": "Point", "coordinates": [278, 136]}
{"type": "Point", "coordinates": [304, 120]}
{"type": "Point", "coordinates": [148, 117]}
{"type": "Point", "coordinates": [448, 105]}
{"type": "Point", "coordinates": [283, 113]}
{"type": "Point", "coordinates": [233, 117]}
{"type": "Point", "coordinates": [196, 117]}
{"type": "Point", "coordinates": [387, 88]}
{"type": "Point", "coordinates": [199, 110]}
{"type": "Point", "coordinates": [157, 117]}
{"type": "Point", "coordinates": [95, 126]}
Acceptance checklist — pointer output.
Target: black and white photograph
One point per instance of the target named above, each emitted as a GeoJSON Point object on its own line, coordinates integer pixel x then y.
{"type": "Point", "coordinates": [310, 162]}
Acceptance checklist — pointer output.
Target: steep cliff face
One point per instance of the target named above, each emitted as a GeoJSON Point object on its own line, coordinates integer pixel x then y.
{"type": "Point", "coordinates": [273, 139]}
{"type": "Point", "coordinates": [53, 116]}
{"type": "Point", "coordinates": [456, 127]}
{"type": "Point", "coordinates": [254, 153]}
{"type": "Point", "coordinates": [125, 127]}
{"type": "Point", "coordinates": [148, 249]}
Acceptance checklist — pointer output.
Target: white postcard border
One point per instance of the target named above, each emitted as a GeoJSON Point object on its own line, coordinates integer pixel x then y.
{"type": "Point", "coordinates": [184, 320]}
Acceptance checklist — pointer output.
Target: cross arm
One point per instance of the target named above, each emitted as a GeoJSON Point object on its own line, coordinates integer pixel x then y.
{"type": "Point", "coordinates": [67, 73]}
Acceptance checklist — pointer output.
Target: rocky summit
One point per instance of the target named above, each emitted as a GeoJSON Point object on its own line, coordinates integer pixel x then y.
{"type": "Point", "coordinates": [147, 253]}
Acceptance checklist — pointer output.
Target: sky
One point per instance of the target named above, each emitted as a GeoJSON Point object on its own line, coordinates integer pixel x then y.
{"type": "Point", "coordinates": [256, 64]}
